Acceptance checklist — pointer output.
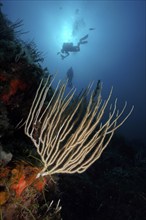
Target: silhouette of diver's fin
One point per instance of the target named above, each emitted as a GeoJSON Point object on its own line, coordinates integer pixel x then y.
{"type": "Point", "coordinates": [83, 42]}
{"type": "Point", "coordinates": [84, 38]}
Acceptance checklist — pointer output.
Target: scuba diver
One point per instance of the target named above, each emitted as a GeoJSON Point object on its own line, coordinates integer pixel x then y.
{"type": "Point", "coordinates": [70, 75]}
{"type": "Point", "coordinates": [69, 47]}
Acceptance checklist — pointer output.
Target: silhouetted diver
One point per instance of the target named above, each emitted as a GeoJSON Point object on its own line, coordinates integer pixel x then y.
{"type": "Point", "coordinates": [69, 47]}
{"type": "Point", "coordinates": [70, 74]}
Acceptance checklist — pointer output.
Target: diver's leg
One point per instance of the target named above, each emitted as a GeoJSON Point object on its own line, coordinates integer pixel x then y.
{"type": "Point", "coordinates": [67, 53]}
{"type": "Point", "coordinates": [78, 44]}
{"type": "Point", "coordinates": [84, 42]}
{"type": "Point", "coordinates": [84, 38]}
{"type": "Point", "coordinates": [76, 48]}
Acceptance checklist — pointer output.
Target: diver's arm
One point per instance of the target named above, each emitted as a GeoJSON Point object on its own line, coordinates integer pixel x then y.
{"type": "Point", "coordinates": [64, 56]}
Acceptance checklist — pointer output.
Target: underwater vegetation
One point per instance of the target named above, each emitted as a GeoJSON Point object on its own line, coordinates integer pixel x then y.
{"type": "Point", "coordinates": [67, 139]}
{"type": "Point", "coordinates": [45, 135]}
{"type": "Point", "coordinates": [21, 194]}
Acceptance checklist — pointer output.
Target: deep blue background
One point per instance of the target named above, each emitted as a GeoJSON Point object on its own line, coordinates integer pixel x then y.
{"type": "Point", "coordinates": [115, 52]}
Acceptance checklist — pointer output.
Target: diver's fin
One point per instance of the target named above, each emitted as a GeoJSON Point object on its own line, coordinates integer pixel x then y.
{"type": "Point", "coordinates": [83, 38]}
{"type": "Point", "coordinates": [84, 42]}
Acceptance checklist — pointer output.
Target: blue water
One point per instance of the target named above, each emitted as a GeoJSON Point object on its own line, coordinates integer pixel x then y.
{"type": "Point", "coordinates": [115, 52]}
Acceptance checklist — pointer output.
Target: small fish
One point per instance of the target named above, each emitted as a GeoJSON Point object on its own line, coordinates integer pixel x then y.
{"type": "Point", "coordinates": [91, 29]}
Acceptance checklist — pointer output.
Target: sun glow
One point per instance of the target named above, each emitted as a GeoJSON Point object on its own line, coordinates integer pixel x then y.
{"type": "Point", "coordinates": [67, 33]}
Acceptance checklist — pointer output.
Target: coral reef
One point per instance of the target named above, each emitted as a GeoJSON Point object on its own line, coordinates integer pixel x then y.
{"type": "Point", "coordinates": [22, 196]}
{"type": "Point", "coordinates": [19, 189]}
